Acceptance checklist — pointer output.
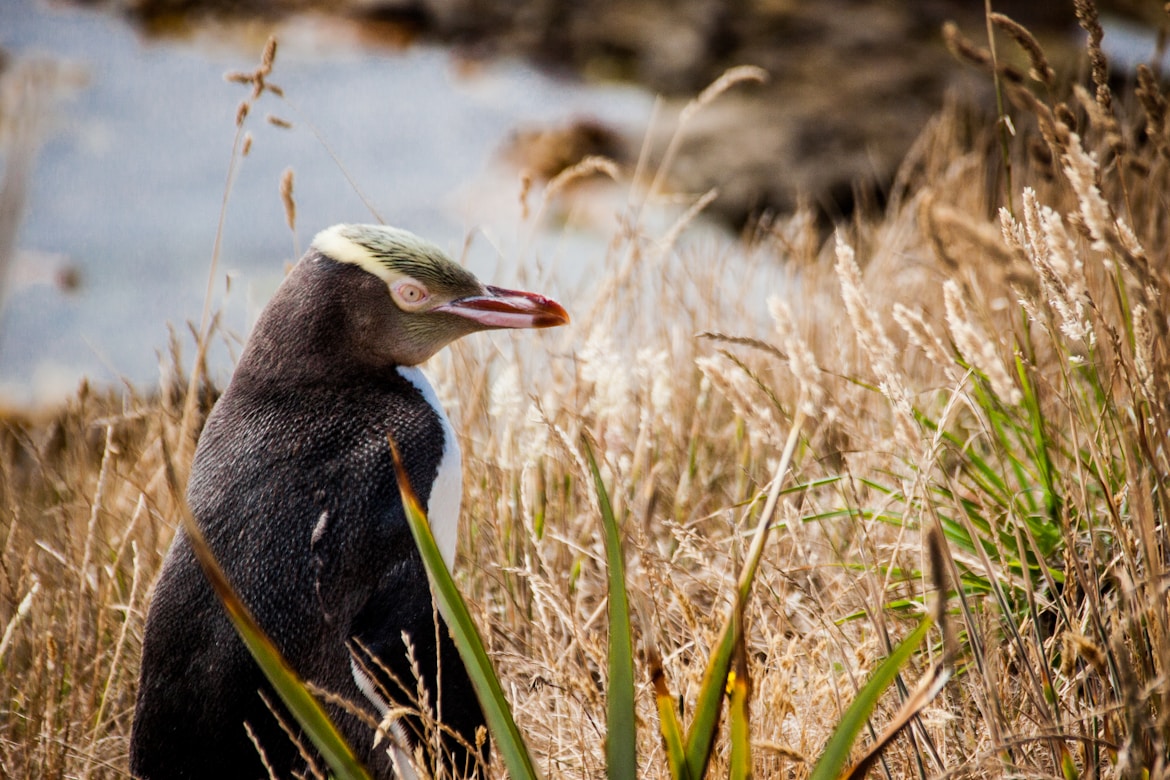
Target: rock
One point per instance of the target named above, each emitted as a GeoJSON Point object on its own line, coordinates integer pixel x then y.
{"type": "Point", "coordinates": [853, 82]}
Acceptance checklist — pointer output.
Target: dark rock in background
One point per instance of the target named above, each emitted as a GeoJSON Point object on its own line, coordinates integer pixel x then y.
{"type": "Point", "coordinates": [852, 82]}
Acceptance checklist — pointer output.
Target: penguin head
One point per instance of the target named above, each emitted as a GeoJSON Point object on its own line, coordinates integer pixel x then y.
{"type": "Point", "coordinates": [430, 300]}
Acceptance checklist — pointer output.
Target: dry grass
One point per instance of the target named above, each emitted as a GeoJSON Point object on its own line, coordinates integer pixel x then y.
{"type": "Point", "coordinates": [1001, 376]}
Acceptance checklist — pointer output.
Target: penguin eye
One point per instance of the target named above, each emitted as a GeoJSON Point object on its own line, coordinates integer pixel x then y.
{"type": "Point", "coordinates": [409, 294]}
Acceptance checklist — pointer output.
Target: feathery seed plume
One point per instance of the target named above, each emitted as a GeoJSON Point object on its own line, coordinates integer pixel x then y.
{"type": "Point", "coordinates": [976, 346]}
{"type": "Point", "coordinates": [801, 360]}
{"type": "Point", "coordinates": [1143, 340]}
{"type": "Point", "coordinates": [874, 342]}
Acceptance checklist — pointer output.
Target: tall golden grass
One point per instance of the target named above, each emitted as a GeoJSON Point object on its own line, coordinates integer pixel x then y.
{"type": "Point", "coordinates": [987, 361]}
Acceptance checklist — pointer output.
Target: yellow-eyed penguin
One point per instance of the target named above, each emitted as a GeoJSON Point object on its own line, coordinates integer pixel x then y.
{"type": "Point", "coordinates": [293, 486]}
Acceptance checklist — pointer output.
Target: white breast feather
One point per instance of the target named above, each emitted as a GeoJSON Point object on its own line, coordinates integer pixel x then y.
{"type": "Point", "coordinates": [399, 739]}
{"type": "Point", "coordinates": [443, 513]}
{"type": "Point", "coordinates": [447, 492]}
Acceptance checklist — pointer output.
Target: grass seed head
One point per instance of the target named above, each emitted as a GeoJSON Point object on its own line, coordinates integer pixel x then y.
{"type": "Point", "coordinates": [975, 345]}
{"type": "Point", "coordinates": [286, 198]}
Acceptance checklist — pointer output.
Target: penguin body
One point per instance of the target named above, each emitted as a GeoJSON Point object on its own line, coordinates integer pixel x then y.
{"type": "Point", "coordinates": [294, 488]}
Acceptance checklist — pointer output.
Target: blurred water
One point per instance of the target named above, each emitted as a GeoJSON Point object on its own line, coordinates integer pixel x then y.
{"type": "Point", "coordinates": [130, 175]}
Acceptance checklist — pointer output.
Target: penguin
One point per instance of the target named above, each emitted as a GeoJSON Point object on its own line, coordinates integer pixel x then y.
{"type": "Point", "coordinates": [293, 486]}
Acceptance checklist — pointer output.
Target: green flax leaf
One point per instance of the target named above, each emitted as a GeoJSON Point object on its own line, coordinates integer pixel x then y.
{"type": "Point", "coordinates": [621, 755]}
{"type": "Point", "coordinates": [836, 753]}
{"type": "Point", "coordinates": [454, 610]}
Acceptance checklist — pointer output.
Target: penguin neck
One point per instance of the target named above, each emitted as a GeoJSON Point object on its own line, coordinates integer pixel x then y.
{"type": "Point", "coordinates": [446, 494]}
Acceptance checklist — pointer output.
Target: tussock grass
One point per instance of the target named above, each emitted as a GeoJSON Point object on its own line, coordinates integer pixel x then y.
{"type": "Point", "coordinates": [991, 367]}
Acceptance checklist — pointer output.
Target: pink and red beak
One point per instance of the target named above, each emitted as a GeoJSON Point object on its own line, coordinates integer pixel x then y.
{"type": "Point", "coordinates": [500, 308]}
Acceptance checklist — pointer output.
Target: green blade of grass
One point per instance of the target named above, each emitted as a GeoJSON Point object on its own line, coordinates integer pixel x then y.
{"type": "Point", "coordinates": [621, 756]}
{"type": "Point", "coordinates": [708, 707]}
{"type": "Point", "coordinates": [739, 689]}
{"type": "Point", "coordinates": [668, 721]}
{"type": "Point", "coordinates": [467, 639]}
{"type": "Point", "coordinates": [928, 688]}
{"type": "Point", "coordinates": [1068, 767]}
{"type": "Point", "coordinates": [292, 691]}
{"type": "Point", "coordinates": [982, 473]}
{"type": "Point", "coordinates": [836, 753]}
{"type": "Point", "coordinates": [1041, 451]}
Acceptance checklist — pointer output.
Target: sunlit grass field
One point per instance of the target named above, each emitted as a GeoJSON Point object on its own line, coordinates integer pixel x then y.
{"type": "Point", "coordinates": [984, 360]}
